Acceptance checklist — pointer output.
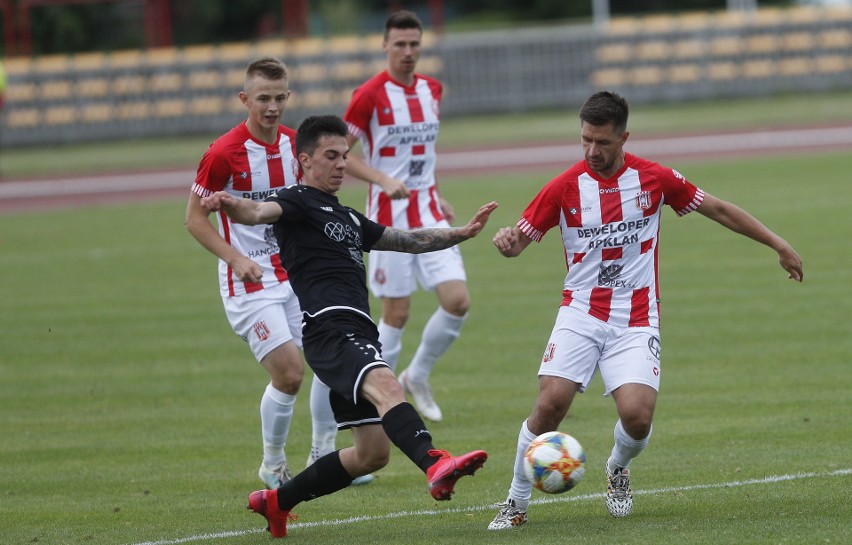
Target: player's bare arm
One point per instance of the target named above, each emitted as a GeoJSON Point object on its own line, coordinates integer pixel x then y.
{"type": "Point", "coordinates": [357, 167]}
{"type": "Point", "coordinates": [418, 241]}
{"type": "Point", "coordinates": [511, 241]}
{"type": "Point", "coordinates": [202, 229]}
{"type": "Point", "coordinates": [243, 211]}
{"type": "Point", "coordinates": [739, 221]}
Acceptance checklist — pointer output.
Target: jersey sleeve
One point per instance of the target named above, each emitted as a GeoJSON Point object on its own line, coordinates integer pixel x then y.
{"type": "Point", "coordinates": [544, 211]}
{"type": "Point", "coordinates": [213, 172]}
{"type": "Point", "coordinates": [371, 230]}
{"type": "Point", "coordinates": [359, 111]}
{"type": "Point", "coordinates": [292, 207]}
{"type": "Point", "coordinates": [678, 192]}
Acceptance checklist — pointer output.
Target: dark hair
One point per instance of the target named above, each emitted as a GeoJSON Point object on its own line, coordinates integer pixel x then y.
{"type": "Point", "coordinates": [315, 127]}
{"type": "Point", "coordinates": [403, 19]}
{"type": "Point", "coordinates": [605, 107]}
{"type": "Point", "coordinates": [268, 67]}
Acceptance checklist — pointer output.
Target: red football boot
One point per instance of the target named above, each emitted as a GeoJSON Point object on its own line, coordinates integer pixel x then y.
{"type": "Point", "coordinates": [443, 475]}
{"type": "Point", "coordinates": [265, 502]}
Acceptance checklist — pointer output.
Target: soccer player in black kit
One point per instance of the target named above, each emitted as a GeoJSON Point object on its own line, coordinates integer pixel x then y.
{"type": "Point", "coordinates": [322, 244]}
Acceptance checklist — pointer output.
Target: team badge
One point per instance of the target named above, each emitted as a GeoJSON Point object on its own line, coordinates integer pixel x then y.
{"type": "Point", "coordinates": [261, 330]}
{"type": "Point", "coordinates": [643, 200]}
{"type": "Point", "coordinates": [548, 352]}
{"type": "Point", "coordinates": [380, 276]}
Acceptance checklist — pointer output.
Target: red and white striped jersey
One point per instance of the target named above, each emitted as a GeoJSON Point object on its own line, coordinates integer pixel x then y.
{"type": "Point", "coordinates": [245, 167]}
{"type": "Point", "coordinates": [398, 129]}
{"type": "Point", "coordinates": [610, 229]}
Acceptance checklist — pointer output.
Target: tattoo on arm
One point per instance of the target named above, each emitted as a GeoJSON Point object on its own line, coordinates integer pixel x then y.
{"type": "Point", "coordinates": [418, 241]}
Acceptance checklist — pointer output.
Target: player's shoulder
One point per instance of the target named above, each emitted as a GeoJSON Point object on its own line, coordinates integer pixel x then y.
{"type": "Point", "coordinates": [569, 175]}
{"type": "Point", "coordinates": [287, 131]}
{"type": "Point", "coordinates": [232, 139]}
{"type": "Point", "coordinates": [641, 163]}
{"type": "Point", "coordinates": [432, 81]}
{"type": "Point", "coordinates": [373, 83]}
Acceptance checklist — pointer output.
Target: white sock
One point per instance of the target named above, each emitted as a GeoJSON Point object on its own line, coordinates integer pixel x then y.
{"type": "Point", "coordinates": [276, 412]}
{"type": "Point", "coordinates": [441, 330]}
{"type": "Point", "coordinates": [626, 448]}
{"type": "Point", "coordinates": [324, 425]}
{"type": "Point", "coordinates": [391, 339]}
{"type": "Point", "coordinates": [521, 488]}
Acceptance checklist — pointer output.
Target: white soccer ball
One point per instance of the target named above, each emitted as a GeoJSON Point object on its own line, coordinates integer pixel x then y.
{"type": "Point", "coordinates": [554, 462]}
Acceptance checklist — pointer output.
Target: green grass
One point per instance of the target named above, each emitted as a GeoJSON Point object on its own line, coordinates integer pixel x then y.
{"type": "Point", "coordinates": [129, 408]}
{"type": "Point", "coordinates": [699, 116]}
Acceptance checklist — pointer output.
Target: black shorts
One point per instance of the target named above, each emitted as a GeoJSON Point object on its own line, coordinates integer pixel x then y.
{"type": "Point", "coordinates": [342, 347]}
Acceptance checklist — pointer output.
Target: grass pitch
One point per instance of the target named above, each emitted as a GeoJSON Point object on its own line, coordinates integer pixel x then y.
{"type": "Point", "coordinates": [129, 408]}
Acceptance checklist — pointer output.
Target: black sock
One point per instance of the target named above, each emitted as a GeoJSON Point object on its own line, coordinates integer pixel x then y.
{"type": "Point", "coordinates": [325, 476]}
{"type": "Point", "coordinates": [407, 431]}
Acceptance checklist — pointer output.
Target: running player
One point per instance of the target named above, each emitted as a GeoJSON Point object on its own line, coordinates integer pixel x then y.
{"type": "Point", "coordinates": [608, 210]}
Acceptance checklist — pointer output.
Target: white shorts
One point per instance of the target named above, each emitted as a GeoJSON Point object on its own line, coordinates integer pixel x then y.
{"type": "Point", "coordinates": [396, 274]}
{"type": "Point", "coordinates": [580, 345]}
{"type": "Point", "coordinates": [266, 319]}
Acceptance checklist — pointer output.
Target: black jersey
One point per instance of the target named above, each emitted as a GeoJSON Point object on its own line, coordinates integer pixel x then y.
{"type": "Point", "coordinates": [322, 247]}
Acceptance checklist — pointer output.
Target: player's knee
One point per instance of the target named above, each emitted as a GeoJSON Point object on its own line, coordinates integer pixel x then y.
{"type": "Point", "coordinates": [637, 425]}
{"type": "Point", "coordinates": [376, 461]}
{"type": "Point", "coordinates": [546, 416]}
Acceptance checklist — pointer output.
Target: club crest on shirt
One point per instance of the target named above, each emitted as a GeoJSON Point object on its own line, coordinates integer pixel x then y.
{"type": "Point", "coordinates": [643, 200]}
{"type": "Point", "coordinates": [294, 166]}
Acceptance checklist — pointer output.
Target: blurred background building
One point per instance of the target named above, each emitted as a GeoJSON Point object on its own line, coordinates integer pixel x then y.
{"type": "Point", "coordinates": [103, 69]}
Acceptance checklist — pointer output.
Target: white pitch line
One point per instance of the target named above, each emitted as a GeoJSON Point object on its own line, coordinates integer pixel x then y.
{"type": "Point", "coordinates": [554, 499]}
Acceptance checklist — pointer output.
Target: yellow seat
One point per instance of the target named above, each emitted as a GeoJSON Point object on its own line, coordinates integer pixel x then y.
{"type": "Point", "coordinates": [614, 52]}
{"type": "Point", "coordinates": [719, 71]}
{"type": "Point", "coordinates": [56, 89]}
{"type": "Point", "coordinates": [97, 113]}
{"type": "Point", "coordinates": [60, 115]}
{"type": "Point", "coordinates": [763, 68]}
{"type": "Point", "coordinates": [92, 87]}
{"type": "Point", "coordinates": [685, 73]}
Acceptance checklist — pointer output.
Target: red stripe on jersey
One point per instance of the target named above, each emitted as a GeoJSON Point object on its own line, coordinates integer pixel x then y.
{"type": "Point", "coordinates": [414, 109]}
{"type": "Point", "coordinates": [610, 204]}
{"type": "Point", "coordinates": [241, 170]}
{"type": "Point", "coordinates": [433, 204]}
{"type": "Point", "coordinates": [647, 245]}
{"type": "Point", "coordinates": [571, 205]}
{"type": "Point", "coordinates": [413, 211]}
{"type": "Point", "coordinates": [226, 234]}
{"type": "Point", "coordinates": [578, 257]}
{"type": "Point", "coordinates": [600, 303]}
{"type": "Point", "coordinates": [280, 273]}
{"type": "Point", "coordinates": [275, 165]}
{"type": "Point", "coordinates": [384, 111]}
{"type": "Point", "coordinates": [385, 212]}
{"type": "Point", "coordinates": [419, 149]}
{"type": "Point", "coordinates": [567, 297]}
{"type": "Point", "coordinates": [387, 152]}
{"type": "Point", "coordinates": [639, 308]}
{"type": "Point", "coordinates": [252, 287]}
{"type": "Point", "coordinates": [610, 254]}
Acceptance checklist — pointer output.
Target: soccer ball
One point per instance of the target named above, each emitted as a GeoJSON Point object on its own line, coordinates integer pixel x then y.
{"type": "Point", "coordinates": [554, 462]}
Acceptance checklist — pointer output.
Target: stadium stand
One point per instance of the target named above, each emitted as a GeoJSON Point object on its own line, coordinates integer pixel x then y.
{"type": "Point", "coordinates": [662, 57]}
